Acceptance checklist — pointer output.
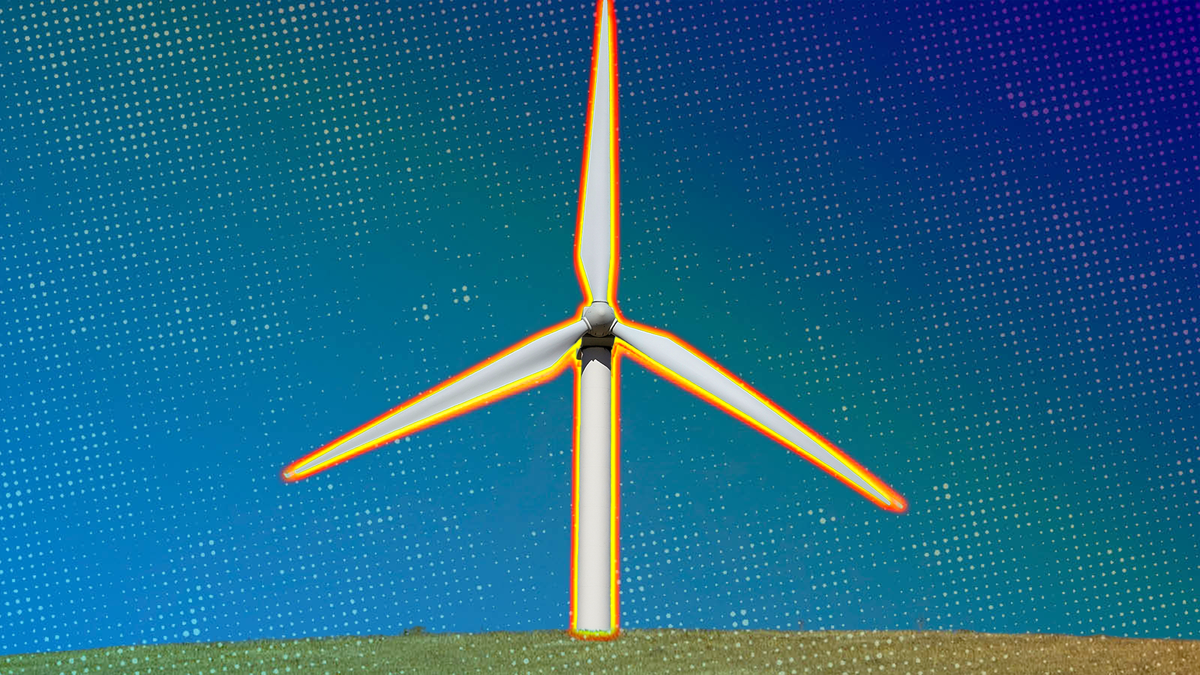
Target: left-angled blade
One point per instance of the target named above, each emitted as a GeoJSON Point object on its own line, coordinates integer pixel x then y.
{"type": "Point", "coordinates": [670, 358]}
{"type": "Point", "coordinates": [528, 363]}
{"type": "Point", "coordinates": [597, 222]}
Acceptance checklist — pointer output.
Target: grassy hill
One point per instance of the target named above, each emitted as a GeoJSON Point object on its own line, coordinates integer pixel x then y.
{"type": "Point", "coordinates": [641, 651]}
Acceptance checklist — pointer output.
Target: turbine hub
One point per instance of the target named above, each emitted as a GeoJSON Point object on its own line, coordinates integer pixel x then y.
{"type": "Point", "coordinates": [600, 319]}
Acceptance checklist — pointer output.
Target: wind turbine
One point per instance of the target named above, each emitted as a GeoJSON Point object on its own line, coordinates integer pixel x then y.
{"type": "Point", "coordinates": [593, 341]}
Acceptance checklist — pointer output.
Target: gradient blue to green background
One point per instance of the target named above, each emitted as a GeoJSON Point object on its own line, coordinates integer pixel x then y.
{"type": "Point", "coordinates": [956, 238]}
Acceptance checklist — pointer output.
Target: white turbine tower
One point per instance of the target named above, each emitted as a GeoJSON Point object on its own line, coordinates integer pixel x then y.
{"type": "Point", "coordinates": [596, 335]}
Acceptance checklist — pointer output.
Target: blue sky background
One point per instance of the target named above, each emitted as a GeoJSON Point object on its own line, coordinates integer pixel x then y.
{"type": "Point", "coordinates": [956, 238]}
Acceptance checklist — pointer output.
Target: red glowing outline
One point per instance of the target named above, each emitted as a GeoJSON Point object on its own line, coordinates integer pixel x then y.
{"type": "Point", "coordinates": [614, 585]}
{"type": "Point", "coordinates": [896, 501]}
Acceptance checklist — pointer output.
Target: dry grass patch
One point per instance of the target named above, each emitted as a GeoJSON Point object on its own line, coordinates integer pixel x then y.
{"type": "Point", "coordinates": [641, 651]}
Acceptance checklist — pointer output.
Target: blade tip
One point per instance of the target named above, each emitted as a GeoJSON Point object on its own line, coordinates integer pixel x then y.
{"type": "Point", "coordinates": [895, 503]}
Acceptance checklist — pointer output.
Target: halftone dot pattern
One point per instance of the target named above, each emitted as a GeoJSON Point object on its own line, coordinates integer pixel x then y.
{"type": "Point", "coordinates": [956, 238]}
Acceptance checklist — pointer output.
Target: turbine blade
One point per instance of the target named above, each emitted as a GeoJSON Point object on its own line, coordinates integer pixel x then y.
{"type": "Point", "coordinates": [597, 218]}
{"type": "Point", "coordinates": [533, 361]}
{"type": "Point", "coordinates": [686, 367]}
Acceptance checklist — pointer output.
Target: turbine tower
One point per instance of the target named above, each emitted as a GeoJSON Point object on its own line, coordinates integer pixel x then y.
{"type": "Point", "coordinates": [592, 341]}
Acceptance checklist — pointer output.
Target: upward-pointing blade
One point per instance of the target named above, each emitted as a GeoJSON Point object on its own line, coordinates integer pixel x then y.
{"type": "Point", "coordinates": [687, 368]}
{"type": "Point", "coordinates": [528, 363]}
{"type": "Point", "coordinates": [596, 225]}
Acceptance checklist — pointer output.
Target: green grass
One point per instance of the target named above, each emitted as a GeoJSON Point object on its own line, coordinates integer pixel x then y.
{"type": "Point", "coordinates": [640, 651]}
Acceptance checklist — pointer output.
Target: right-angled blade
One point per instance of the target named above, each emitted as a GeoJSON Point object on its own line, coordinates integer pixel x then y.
{"type": "Point", "coordinates": [685, 366]}
{"type": "Point", "coordinates": [596, 224]}
{"type": "Point", "coordinates": [531, 362]}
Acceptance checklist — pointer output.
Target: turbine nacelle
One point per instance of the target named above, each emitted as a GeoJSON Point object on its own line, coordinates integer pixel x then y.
{"type": "Point", "coordinates": [600, 319]}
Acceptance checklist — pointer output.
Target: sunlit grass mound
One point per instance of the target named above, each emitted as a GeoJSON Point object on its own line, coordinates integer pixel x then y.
{"type": "Point", "coordinates": [641, 651]}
